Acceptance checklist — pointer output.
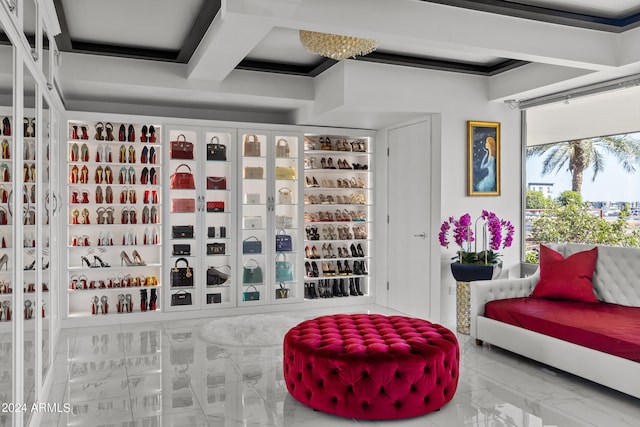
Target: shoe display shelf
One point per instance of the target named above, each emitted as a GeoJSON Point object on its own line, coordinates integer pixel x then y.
{"type": "Point", "coordinates": [28, 166]}
{"type": "Point", "coordinates": [338, 211]}
{"type": "Point", "coordinates": [114, 195]}
{"type": "Point", "coordinates": [271, 232]}
{"type": "Point", "coordinates": [200, 227]}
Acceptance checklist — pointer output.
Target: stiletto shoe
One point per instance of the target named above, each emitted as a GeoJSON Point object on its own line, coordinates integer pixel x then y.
{"type": "Point", "coordinates": [74, 216]}
{"type": "Point", "coordinates": [98, 261]}
{"type": "Point", "coordinates": [122, 157]}
{"type": "Point", "coordinates": [314, 268]}
{"type": "Point", "coordinates": [99, 196]}
{"type": "Point", "coordinates": [354, 253]}
{"type": "Point", "coordinates": [144, 155]}
{"type": "Point", "coordinates": [121, 133]}
{"type": "Point", "coordinates": [137, 258]}
{"type": "Point", "coordinates": [132, 154]}
{"type": "Point", "coordinates": [85, 135]}
{"type": "Point", "coordinates": [4, 260]}
{"type": "Point", "coordinates": [143, 134]}
{"type": "Point", "coordinates": [125, 260]}
{"type": "Point", "coordinates": [98, 175]}
{"type": "Point", "coordinates": [307, 253]}
{"type": "Point", "coordinates": [360, 251]}
{"type": "Point", "coordinates": [74, 132]}
{"type": "Point", "coordinates": [153, 299]}
{"type": "Point", "coordinates": [99, 129]}
{"type": "Point", "coordinates": [152, 155]}
{"type": "Point", "coordinates": [108, 127]}
{"type": "Point", "coordinates": [152, 134]}
{"type": "Point", "coordinates": [131, 134]}
{"type": "Point", "coordinates": [153, 179]}
{"type": "Point", "coordinates": [108, 175]}
{"type": "Point", "coordinates": [84, 175]}
{"type": "Point", "coordinates": [83, 260]}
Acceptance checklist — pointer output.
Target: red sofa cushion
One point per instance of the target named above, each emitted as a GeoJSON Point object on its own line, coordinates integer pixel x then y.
{"type": "Point", "coordinates": [610, 328]}
{"type": "Point", "coordinates": [370, 366]}
{"type": "Point", "coordinates": [566, 279]}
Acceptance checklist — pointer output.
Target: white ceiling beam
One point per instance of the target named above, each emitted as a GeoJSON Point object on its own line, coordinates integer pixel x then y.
{"type": "Point", "coordinates": [442, 26]}
{"type": "Point", "coordinates": [228, 41]}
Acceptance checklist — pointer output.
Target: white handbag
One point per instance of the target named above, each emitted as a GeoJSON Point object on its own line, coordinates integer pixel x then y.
{"type": "Point", "coordinates": [252, 198]}
{"type": "Point", "coordinates": [284, 221]}
{"type": "Point", "coordinates": [252, 222]}
{"type": "Point", "coordinates": [284, 196]}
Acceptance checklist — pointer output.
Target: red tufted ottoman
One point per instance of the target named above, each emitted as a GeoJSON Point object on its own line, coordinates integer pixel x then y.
{"type": "Point", "coordinates": [370, 366]}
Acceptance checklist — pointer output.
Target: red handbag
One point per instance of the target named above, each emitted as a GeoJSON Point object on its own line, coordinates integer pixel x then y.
{"type": "Point", "coordinates": [183, 205]}
{"type": "Point", "coordinates": [181, 149]}
{"type": "Point", "coordinates": [216, 183]}
{"type": "Point", "coordinates": [182, 180]}
{"type": "Point", "coordinates": [215, 206]}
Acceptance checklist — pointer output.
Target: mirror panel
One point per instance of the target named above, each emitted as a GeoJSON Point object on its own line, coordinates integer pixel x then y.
{"type": "Point", "coordinates": [31, 253]}
{"type": "Point", "coordinates": [7, 309]}
{"type": "Point", "coordinates": [45, 222]}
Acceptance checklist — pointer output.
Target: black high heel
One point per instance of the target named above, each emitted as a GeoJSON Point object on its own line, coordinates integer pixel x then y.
{"type": "Point", "coordinates": [314, 267]}
{"type": "Point", "coordinates": [31, 266]}
{"type": "Point", "coordinates": [347, 269]}
{"type": "Point", "coordinates": [99, 261]}
{"type": "Point", "coordinates": [83, 260]}
{"type": "Point", "coordinates": [360, 251]}
{"type": "Point", "coordinates": [354, 253]}
{"type": "Point", "coordinates": [307, 268]}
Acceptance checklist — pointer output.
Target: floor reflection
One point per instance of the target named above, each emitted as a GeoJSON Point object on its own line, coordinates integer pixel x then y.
{"type": "Point", "coordinates": [164, 374]}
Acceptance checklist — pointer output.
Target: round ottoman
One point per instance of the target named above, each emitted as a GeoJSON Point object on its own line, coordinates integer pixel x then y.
{"type": "Point", "coordinates": [370, 366]}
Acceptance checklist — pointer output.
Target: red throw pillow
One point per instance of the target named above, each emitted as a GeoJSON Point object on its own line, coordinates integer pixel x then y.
{"type": "Point", "coordinates": [566, 279]}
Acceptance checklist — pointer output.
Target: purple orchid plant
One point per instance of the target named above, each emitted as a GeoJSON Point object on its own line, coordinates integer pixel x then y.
{"type": "Point", "coordinates": [498, 231]}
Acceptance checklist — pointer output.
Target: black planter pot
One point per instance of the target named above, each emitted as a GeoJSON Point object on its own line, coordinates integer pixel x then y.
{"type": "Point", "coordinates": [471, 272]}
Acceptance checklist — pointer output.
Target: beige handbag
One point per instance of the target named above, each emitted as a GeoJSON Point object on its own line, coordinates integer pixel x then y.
{"type": "Point", "coordinates": [285, 172]}
{"type": "Point", "coordinates": [253, 172]}
{"type": "Point", "coordinates": [251, 146]}
{"type": "Point", "coordinates": [282, 148]}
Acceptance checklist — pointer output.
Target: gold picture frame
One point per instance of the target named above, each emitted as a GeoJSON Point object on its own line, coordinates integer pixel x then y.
{"type": "Point", "coordinates": [483, 158]}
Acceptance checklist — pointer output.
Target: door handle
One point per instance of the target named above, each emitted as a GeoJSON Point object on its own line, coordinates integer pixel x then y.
{"type": "Point", "coordinates": [421, 235]}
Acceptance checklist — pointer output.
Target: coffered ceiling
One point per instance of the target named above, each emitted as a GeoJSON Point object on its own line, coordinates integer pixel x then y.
{"type": "Point", "coordinates": [210, 42]}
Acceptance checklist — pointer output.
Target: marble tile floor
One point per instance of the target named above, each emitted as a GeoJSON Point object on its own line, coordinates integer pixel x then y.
{"type": "Point", "coordinates": [164, 374]}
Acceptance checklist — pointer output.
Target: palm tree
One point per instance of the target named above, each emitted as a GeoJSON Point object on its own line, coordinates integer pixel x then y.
{"type": "Point", "coordinates": [580, 154]}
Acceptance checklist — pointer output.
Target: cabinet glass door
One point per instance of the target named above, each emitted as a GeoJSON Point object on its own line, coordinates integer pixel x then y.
{"type": "Point", "coordinates": [114, 217]}
{"type": "Point", "coordinates": [218, 182]}
{"type": "Point", "coordinates": [256, 206]}
{"type": "Point", "coordinates": [185, 277]}
{"type": "Point", "coordinates": [286, 190]}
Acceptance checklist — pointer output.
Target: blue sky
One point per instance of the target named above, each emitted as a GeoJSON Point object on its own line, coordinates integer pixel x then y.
{"type": "Point", "coordinates": [612, 185]}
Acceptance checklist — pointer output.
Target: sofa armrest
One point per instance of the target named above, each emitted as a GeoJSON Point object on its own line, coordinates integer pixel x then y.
{"type": "Point", "coordinates": [484, 291]}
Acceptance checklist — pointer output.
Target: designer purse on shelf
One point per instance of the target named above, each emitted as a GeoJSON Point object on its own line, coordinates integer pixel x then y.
{"type": "Point", "coordinates": [181, 276]}
{"type": "Point", "coordinates": [216, 183]}
{"type": "Point", "coordinates": [282, 148]}
{"type": "Point", "coordinates": [284, 221]}
{"type": "Point", "coordinates": [285, 172]}
{"type": "Point", "coordinates": [282, 292]}
{"type": "Point", "coordinates": [181, 298]}
{"type": "Point", "coordinates": [284, 242]}
{"type": "Point", "coordinates": [252, 222]}
{"type": "Point", "coordinates": [215, 298]}
{"type": "Point", "coordinates": [284, 269]}
{"type": "Point", "coordinates": [181, 149]}
{"type": "Point", "coordinates": [183, 205]}
{"type": "Point", "coordinates": [215, 150]}
{"type": "Point", "coordinates": [252, 199]}
{"type": "Point", "coordinates": [251, 295]}
{"type": "Point", "coordinates": [211, 232]}
{"type": "Point", "coordinates": [215, 206]}
{"type": "Point", "coordinates": [181, 249]}
{"type": "Point", "coordinates": [182, 180]}
{"type": "Point", "coordinates": [216, 248]}
{"type": "Point", "coordinates": [216, 277]}
{"type": "Point", "coordinates": [251, 245]}
{"type": "Point", "coordinates": [284, 196]}
{"type": "Point", "coordinates": [251, 146]}
{"type": "Point", "coordinates": [253, 172]}
{"type": "Point", "coordinates": [182, 232]}
{"type": "Point", "coordinates": [252, 272]}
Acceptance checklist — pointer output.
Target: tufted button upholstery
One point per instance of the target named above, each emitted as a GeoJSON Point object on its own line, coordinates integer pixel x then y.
{"type": "Point", "coordinates": [370, 366]}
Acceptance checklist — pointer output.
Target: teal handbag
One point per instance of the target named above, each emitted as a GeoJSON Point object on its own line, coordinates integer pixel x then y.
{"type": "Point", "coordinates": [252, 272]}
{"type": "Point", "coordinates": [284, 269]}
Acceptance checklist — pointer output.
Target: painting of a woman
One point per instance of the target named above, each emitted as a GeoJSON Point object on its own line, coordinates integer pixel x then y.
{"type": "Point", "coordinates": [484, 159]}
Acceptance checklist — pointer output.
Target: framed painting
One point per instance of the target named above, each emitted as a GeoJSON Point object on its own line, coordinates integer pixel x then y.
{"type": "Point", "coordinates": [483, 158]}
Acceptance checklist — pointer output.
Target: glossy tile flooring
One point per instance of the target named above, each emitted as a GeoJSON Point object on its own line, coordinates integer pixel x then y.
{"type": "Point", "coordinates": [164, 374]}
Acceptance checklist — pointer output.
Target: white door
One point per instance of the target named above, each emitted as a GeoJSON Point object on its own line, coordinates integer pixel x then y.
{"type": "Point", "coordinates": [409, 217]}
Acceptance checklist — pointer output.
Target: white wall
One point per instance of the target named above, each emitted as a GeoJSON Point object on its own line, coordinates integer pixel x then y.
{"type": "Point", "coordinates": [456, 98]}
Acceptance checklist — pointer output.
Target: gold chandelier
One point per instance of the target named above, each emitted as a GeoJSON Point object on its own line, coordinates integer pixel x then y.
{"type": "Point", "coordinates": [334, 46]}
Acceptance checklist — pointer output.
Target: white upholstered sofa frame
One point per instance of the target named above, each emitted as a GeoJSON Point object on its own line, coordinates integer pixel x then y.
{"type": "Point", "coordinates": [616, 280]}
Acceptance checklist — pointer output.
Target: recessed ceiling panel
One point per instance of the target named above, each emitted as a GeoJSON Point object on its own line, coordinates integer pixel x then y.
{"type": "Point", "coordinates": [603, 8]}
{"type": "Point", "coordinates": [422, 51]}
{"type": "Point", "coordinates": [150, 24]}
{"type": "Point", "coordinates": [282, 45]}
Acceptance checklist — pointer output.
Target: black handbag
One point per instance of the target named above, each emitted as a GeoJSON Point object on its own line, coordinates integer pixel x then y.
{"type": "Point", "coordinates": [250, 246]}
{"type": "Point", "coordinates": [214, 298]}
{"type": "Point", "coordinates": [251, 295]}
{"type": "Point", "coordinates": [216, 277]}
{"type": "Point", "coordinates": [216, 248]}
{"type": "Point", "coordinates": [181, 249]}
{"type": "Point", "coordinates": [181, 298]}
{"type": "Point", "coordinates": [182, 232]}
{"type": "Point", "coordinates": [282, 292]}
{"type": "Point", "coordinates": [181, 276]}
{"type": "Point", "coordinates": [215, 150]}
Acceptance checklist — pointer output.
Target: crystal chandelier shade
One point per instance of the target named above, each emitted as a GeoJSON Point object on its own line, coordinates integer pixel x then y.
{"type": "Point", "coordinates": [335, 46]}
